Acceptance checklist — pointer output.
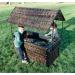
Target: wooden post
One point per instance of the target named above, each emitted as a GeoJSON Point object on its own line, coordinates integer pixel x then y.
{"type": "Point", "coordinates": [62, 40]}
{"type": "Point", "coordinates": [62, 30]}
{"type": "Point", "coordinates": [11, 31]}
{"type": "Point", "coordinates": [62, 26]}
{"type": "Point", "coordinates": [11, 36]}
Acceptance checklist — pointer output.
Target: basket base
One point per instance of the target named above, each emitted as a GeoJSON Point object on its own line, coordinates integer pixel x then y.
{"type": "Point", "coordinates": [41, 55]}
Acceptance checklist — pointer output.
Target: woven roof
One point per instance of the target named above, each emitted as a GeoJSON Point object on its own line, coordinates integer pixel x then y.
{"type": "Point", "coordinates": [35, 18]}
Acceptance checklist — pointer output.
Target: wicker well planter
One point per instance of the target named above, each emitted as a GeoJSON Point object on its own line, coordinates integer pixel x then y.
{"type": "Point", "coordinates": [41, 20]}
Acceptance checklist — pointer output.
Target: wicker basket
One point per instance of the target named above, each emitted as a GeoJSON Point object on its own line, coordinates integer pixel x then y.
{"type": "Point", "coordinates": [40, 54]}
{"type": "Point", "coordinates": [38, 20]}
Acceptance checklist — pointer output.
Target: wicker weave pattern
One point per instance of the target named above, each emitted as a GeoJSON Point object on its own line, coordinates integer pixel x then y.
{"type": "Point", "coordinates": [39, 54]}
{"type": "Point", "coordinates": [40, 19]}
